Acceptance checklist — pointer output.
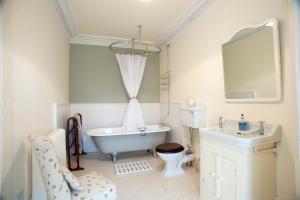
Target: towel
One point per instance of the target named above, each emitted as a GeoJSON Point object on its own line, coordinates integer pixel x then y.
{"type": "Point", "coordinates": [80, 132]}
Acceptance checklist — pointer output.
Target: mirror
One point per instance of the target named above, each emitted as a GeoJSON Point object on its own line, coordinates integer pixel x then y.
{"type": "Point", "coordinates": [251, 64]}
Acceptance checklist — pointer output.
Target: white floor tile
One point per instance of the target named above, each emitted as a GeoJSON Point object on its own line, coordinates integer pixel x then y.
{"type": "Point", "coordinates": [147, 185]}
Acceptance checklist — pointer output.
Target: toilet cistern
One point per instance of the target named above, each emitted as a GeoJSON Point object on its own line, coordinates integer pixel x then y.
{"type": "Point", "coordinates": [192, 117]}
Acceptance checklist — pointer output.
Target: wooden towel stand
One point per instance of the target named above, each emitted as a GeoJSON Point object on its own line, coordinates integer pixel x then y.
{"type": "Point", "coordinates": [73, 126]}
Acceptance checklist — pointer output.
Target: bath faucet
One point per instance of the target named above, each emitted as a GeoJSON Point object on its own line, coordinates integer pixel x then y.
{"type": "Point", "coordinates": [142, 129]}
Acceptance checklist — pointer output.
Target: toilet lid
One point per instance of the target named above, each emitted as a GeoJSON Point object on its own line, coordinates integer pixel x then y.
{"type": "Point", "coordinates": [169, 148]}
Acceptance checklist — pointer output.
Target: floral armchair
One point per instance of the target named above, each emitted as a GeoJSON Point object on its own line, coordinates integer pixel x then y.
{"type": "Point", "coordinates": [53, 181]}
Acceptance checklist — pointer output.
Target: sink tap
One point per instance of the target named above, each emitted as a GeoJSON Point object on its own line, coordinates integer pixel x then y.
{"type": "Point", "coordinates": [221, 122]}
{"type": "Point", "coordinates": [261, 129]}
{"type": "Point", "coordinates": [142, 129]}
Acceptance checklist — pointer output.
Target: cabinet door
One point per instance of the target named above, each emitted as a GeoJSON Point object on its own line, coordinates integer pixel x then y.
{"type": "Point", "coordinates": [225, 179]}
{"type": "Point", "coordinates": [208, 176]}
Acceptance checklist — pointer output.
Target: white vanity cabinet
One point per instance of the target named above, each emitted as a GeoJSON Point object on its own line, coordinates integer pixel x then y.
{"type": "Point", "coordinates": [231, 171]}
{"type": "Point", "coordinates": [218, 174]}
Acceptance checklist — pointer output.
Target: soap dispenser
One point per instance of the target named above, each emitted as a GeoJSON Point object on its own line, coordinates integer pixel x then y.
{"type": "Point", "coordinates": [243, 125]}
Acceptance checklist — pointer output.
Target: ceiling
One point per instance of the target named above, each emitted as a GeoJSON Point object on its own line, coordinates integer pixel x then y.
{"type": "Point", "coordinates": [120, 18]}
{"type": "Point", "coordinates": [101, 22]}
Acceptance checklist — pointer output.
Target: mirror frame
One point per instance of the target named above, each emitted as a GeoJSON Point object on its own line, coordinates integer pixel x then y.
{"type": "Point", "coordinates": [277, 61]}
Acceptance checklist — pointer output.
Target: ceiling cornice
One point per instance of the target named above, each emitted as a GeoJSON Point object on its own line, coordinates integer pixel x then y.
{"type": "Point", "coordinates": [63, 8]}
{"type": "Point", "coordinates": [65, 13]}
{"type": "Point", "coordinates": [103, 41]}
{"type": "Point", "coordinates": [195, 8]}
{"type": "Point", "coordinates": [95, 40]}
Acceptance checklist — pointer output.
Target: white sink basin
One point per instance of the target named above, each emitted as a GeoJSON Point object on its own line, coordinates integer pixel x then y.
{"type": "Point", "coordinates": [231, 134]}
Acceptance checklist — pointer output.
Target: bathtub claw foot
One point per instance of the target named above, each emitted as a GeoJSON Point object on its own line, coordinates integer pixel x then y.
{"type": "Point", "coordinates": [114, 157]}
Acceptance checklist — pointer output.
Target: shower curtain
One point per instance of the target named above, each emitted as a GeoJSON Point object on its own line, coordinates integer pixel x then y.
{"type": "Point", "coordinates": [132, 70]}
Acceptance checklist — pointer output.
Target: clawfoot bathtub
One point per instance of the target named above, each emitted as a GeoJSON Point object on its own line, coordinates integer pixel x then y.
{"type": "Point", "coordinates": [116, 140]}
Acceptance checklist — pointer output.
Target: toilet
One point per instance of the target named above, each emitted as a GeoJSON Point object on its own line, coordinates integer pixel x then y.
{"type": "Point", "coordinates": [174, 154]}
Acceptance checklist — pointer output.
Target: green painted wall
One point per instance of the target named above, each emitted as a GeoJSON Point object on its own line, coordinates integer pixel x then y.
{"type": "Point", "coordinates": [95, 77]}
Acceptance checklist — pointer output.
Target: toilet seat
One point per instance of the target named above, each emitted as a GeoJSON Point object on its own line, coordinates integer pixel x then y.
{"type": "Point", "coordinates": [169, 148]}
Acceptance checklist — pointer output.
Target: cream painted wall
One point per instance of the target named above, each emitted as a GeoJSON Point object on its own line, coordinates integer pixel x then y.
{"type": "Point", "coordinates": [7, 137]}
{"type": "Point", "coordinates": [295, 17]}
{"type": "Point", "coordinates": [35, 78]}
{"type": "Point", "coordinates": [196, 71]}
{"type": "Point", "coordinates": [1, 67]}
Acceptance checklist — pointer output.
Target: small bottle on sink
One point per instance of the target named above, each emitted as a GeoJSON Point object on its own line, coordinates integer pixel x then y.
{"type": "Point", "coordinates": [243, 125]}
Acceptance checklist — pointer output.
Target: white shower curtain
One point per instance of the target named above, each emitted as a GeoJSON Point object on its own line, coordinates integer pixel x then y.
{"type": "Point", "coordinates": [132, 70]}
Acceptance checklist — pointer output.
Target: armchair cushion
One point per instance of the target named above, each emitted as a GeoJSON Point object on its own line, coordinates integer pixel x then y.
{"type": "Point", "coordinates": [71, 179]}
{"type": "Point", "coordinates": [96, 187]}
{"type": "Point", "coordinates": [54, 181]}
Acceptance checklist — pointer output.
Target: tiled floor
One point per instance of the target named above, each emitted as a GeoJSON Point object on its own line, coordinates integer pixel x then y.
{"type": "Point", "coordinates": [145, 186]}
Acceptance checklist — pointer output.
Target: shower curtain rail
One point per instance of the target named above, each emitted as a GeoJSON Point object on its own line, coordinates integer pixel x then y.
{"type": "Point", "coordinates": [135, 47]}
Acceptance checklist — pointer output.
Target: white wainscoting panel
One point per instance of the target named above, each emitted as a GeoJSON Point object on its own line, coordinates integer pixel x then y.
{"type": "Point", "coordinates": [174, 121]}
